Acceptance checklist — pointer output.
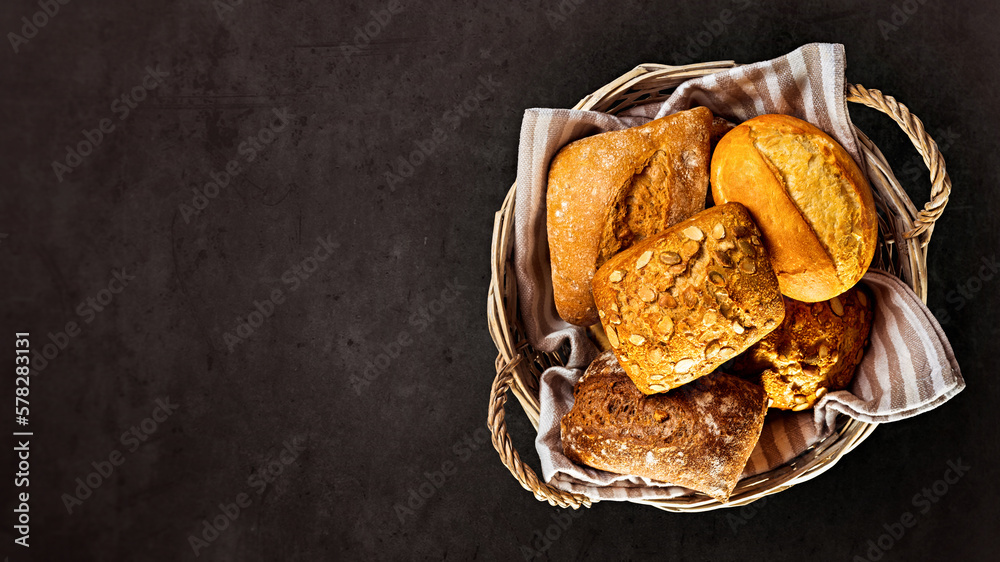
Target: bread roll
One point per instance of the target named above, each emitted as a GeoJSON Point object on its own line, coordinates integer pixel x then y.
{"type": "Point", "coordinates": [815, 350]}
{"type": "Point", "coordinates": [698, 436]}
{"type": "Point", "coordinates": [808, 197]}
{"type": "Point", "coordinates": [678, 305]}
{"type": "Point", "coordinates": [608, 191]}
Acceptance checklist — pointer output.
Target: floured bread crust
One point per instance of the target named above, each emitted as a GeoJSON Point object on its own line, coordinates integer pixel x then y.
{"type": "Point", "coordinates": [698, 436]}
{"type": "Point", "coordinates": [611, 190]}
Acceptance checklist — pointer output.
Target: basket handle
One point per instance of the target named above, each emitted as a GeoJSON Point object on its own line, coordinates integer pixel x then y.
{"type": "Point", "coordinates": [925, 145]}
{"type": "Point", "coordinates": [509, 456]}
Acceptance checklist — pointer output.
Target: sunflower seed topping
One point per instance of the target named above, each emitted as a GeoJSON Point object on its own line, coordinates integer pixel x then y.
{"type": "Point", "coordinates": [647, 294]}
{"type": "Point", "coordinates": [667, 301]}
{"type": "Point", "coordinates": [694, 233]}
{"type": "Point", "coordinates": [723, 258]}
{"type": "Point", "coordinates": [837, 306]}
{"type": "Point", "coordinates": [670, 258]}
{"type": "Point", "coordinates": [690, 248]}
{"type": "Point", "coordinates": [644, 259]}
{"type": "Point", "coordinates": [612, 336]}
{"type": "Point", "coordinates": [683, 366]}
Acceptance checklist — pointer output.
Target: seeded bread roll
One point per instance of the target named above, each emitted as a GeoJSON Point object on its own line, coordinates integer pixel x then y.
{"type": "Point", "coordinates": [816, 349]}
{"type": "Point", "coordinates": [698, 436]}
{"type": "Point", "coordinates": [809, 198]}
{"type": "Point", "coordinates": [678, 305]}
{"type": "Point", "coordinates": [608, 191]}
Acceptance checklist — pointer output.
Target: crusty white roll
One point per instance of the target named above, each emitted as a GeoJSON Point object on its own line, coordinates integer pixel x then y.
{"type": "Point", "coordinates": [809, 198]}
{"type": "Point", "coordinates": [611, 190]}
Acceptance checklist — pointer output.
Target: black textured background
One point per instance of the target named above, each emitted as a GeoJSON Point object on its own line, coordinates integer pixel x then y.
{"type": "Point", "coordinates": [398, 248]}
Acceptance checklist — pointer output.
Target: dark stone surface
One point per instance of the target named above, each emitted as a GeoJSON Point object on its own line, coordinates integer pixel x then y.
{"type": "Point", "coordinates": [398, 247]}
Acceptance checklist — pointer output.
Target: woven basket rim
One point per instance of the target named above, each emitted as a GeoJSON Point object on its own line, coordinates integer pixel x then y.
{"type": "Point", "coordinates": [904, 232]}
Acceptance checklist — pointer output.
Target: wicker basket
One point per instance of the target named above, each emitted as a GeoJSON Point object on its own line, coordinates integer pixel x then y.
{"type": "Point", "coordinates": [903, 235]}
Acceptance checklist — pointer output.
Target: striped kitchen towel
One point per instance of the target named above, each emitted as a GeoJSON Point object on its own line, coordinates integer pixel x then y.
{"type": "Point", "coordinates": [909, 367]}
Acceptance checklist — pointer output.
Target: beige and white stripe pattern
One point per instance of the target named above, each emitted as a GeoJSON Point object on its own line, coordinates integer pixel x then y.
{"type": "Point", "coordinates": [807, 83]}
{"type": "Point", "coordinates": [909, 367]}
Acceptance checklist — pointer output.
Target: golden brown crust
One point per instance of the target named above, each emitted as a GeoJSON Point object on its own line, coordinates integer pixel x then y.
{"type": "Point", "coordinates": [815, 350]}
{"type": "Point", "coordinates": [678, 305]}
{"type": "Point", "coordinates": [809, 198]}
{"type": "Point", "coordinates": [611, 190]}
{"type": "Point", "coordinates": [698, 436]}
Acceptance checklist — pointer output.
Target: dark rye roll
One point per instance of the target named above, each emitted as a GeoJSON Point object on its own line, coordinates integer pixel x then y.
{"type": "Point", "coordinates": [698, 436]}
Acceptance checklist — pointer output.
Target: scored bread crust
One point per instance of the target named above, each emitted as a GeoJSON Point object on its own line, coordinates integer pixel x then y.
{"type": "Point", "coordinates": [815, 350]}
{"type": "Point", "coordinates": [698, 436]}
{"type": "Point", "coordinates": [610, 190]}
{"type": "Point", "coordinates": [676, 306]}
{"type": "Point", "coordinates": [808, 197]}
